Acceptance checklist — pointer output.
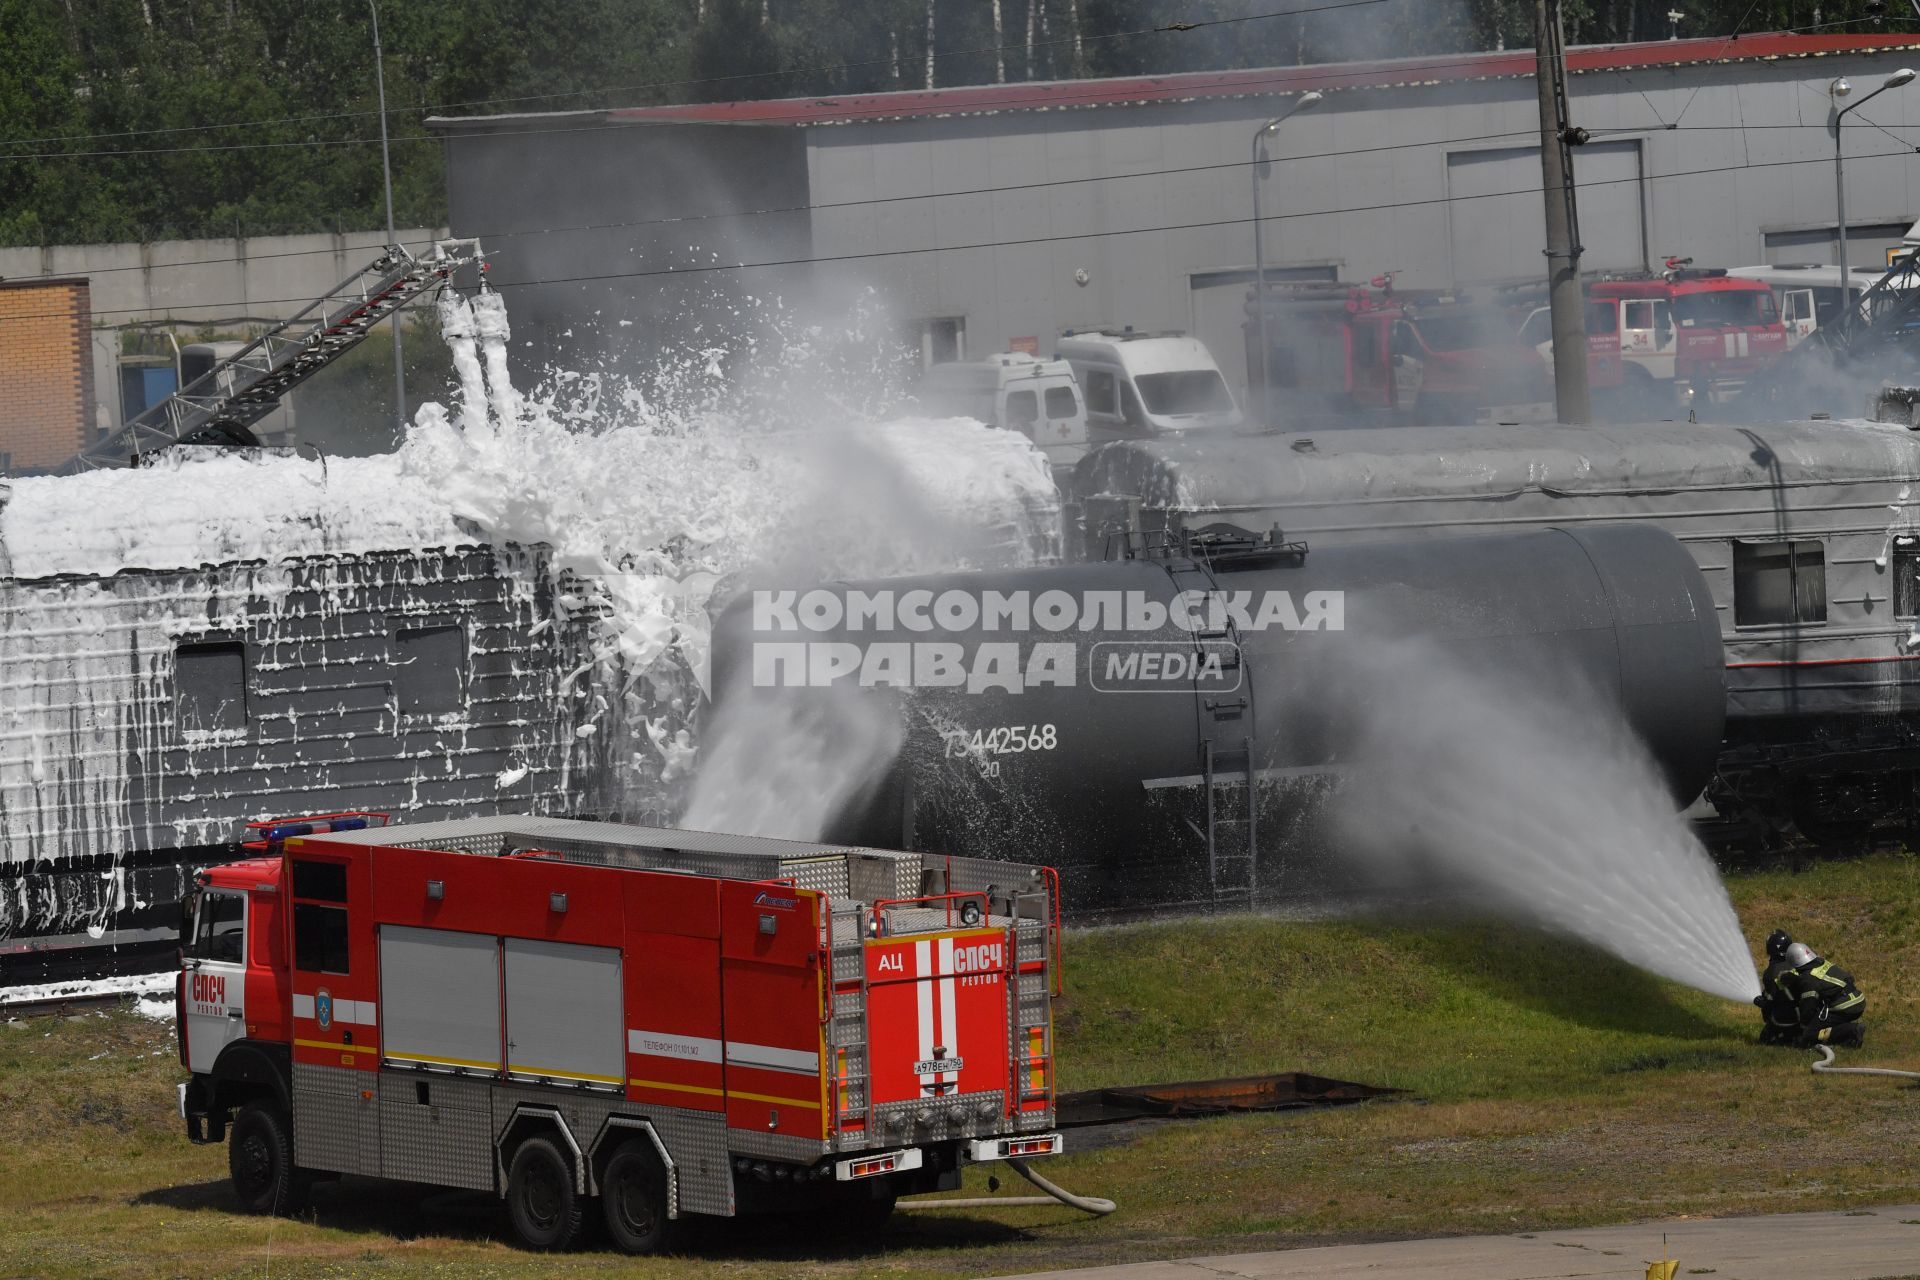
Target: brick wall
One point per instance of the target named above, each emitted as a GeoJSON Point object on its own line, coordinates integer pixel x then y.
{"type": "Point", "coordinates": [46, 371]}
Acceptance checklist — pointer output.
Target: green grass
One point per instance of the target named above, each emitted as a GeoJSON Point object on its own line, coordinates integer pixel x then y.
{"type": "Point", "coordinates": [1549, 1087]}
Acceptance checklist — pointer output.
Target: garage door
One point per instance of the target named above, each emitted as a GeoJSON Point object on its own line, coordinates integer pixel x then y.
{"type": "Point", "coordinates": [1499, 220]}
{"type": "Point", "coordinates": [1219, 307]}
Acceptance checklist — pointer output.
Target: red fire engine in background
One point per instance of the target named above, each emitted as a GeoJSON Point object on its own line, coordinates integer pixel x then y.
{"type": "Point", "coordinates": [1422, 356]}
{"type": "Point", "coordinates": [663, 1022]}
{"type": "Point", "coordinates": [1696, 335]}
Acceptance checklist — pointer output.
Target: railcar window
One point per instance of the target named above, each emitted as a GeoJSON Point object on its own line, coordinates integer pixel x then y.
{"type": "Point", "coordinates": [1779, 583]}
{"type": "Point", "coordinates": [429, 665]}
{"type": "Point", "coordinates": [210, 687]}
{"type": "Point", "coordinates": [1906, 577]}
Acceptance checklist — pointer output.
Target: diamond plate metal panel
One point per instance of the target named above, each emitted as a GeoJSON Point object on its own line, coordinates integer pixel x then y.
{"type": "Point", "coordinates": [436, 1129]}
{"type": "Point", "coordinates": [703, 1167]}
{"type": "Point", "coordinates": [334, 1128]}
{"type": "Point", "coordinates": [777, 1146]}
{"type": "Point", "coordinates": [826, 875]}
{"type": "Point", "coordinates": [696, 1140]}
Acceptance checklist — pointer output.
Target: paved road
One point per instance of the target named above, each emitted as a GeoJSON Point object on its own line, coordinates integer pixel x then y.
{"type": "Point", "coordinates": [1860, 1245]}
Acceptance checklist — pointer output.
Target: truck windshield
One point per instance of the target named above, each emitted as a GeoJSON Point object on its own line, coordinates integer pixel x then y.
{"type": "Point", "coordinates": [1466, 330]}
{"type": "Point", "coordinates": [1723, 308]}
{"type": "Point", "coordinates": [1184, 391]}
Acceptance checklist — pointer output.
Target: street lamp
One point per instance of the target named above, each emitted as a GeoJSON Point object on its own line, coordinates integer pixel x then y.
{"type": "Point", "coordinates": [1300, 103]}
{"type": "Point", "coordinates": [1837, 90]}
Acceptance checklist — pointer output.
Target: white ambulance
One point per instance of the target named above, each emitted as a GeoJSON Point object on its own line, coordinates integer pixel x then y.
{"type": "Point", "coordinates": [1018, 392]}
{"type": "Point", "coordinates": [1147, 384]}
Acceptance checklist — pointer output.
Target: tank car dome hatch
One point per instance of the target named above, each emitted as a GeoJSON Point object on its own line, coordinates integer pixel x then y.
{"type": "Point", "coordinates": [1090, 773]}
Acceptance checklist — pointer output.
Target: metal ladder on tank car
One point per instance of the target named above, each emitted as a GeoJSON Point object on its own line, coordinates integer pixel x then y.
{"type": "Point", "coordinates": [1229, 791]}
{"type": "Point", "coordinates": [222, 403]}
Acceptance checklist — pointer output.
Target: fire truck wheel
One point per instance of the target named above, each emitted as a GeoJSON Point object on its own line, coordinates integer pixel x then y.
{"type": "Point", "coordinates": [541, 1201]}
{"type": "Point", "coordinates": [633, 1194]}
{"type": "Point", "coordinates": [864, 1210]}
{"type": "Point", "coordinates": [260, 1159]}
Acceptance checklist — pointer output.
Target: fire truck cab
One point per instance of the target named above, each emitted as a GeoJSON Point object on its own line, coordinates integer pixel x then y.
{"type": "Point", "coordinates": [1700, 332]}
{"type": "Point", "coordinates": [589, 1017]}
{"type": "Point", "coordinates": [1425, 357]}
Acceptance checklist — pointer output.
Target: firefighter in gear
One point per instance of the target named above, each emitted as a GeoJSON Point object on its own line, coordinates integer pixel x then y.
{"type": "Point", "coordinates": [1827, 1004]}
{"type": "Point", "coordinates": [1779, 1012]}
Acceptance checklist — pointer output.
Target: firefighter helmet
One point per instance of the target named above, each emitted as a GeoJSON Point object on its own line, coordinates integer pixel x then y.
{"type": "Point", "coordinates": [1799, 955]}
{"type": "Point", "coordinates": [1777, 943]}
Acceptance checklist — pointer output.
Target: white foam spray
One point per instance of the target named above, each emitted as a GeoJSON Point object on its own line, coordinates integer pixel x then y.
{"type": "Point", "coordinates": [651, 482]}
{"type": "Point", "coordinates": [1538, 808]}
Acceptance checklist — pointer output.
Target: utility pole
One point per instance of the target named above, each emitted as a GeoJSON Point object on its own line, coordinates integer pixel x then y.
{"type": "Point", "coordinates": [386, 172]}
{"type": "Point", "coordinates": [1563, 221]}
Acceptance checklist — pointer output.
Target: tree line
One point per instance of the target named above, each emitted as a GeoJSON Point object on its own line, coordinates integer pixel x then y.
{"type": "Point", "coordinates": [106, 105]}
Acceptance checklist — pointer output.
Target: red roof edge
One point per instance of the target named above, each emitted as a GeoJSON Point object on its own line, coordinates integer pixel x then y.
{"type": "Point", "coordinates": [1067, 94]}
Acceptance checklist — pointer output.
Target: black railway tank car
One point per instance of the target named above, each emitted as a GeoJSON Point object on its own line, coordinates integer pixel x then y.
{"type": "Point", "coordinates": [1805, 531]}
{"type": "Point", "coordinates": [1072, 713]}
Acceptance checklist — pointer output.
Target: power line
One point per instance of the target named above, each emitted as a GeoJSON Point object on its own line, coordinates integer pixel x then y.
{"type": "Point", "coordinates": [775, 210]}
{"type": "Point", "coordinates": [1084, 93]}
{"type": "Point", "coordinates": [203, 150]}
{"type": "Point", "coordinates": [1175, 28]}
{"type": "Point", "coordinates": [851, 204]}
{"type": "Point", "coordinates": [874, 255]}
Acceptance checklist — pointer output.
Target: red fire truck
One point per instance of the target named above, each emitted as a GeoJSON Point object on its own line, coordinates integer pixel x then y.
{"type": "Point", "coordinates": [1696, 334]}
{"type": "Point", "coordinates": [1420, 356]}
{"type": "Point", "coordinates": [646, 1023]}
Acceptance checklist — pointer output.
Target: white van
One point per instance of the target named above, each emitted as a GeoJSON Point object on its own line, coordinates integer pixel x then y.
{"type": "Point", "coordinates": [1808, 295]}
{"type": "Point", "coordinates": [1143, 384]}
{"type": "Point", "coordinates": [1018, 392]}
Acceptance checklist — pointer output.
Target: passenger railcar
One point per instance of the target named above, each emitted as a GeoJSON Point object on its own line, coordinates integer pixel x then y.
{"type": "Point", "coordinates": [1805, 531]}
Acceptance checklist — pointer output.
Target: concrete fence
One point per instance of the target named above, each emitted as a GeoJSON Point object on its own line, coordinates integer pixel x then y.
{"type": "Point", "coordinates": [241, 284]}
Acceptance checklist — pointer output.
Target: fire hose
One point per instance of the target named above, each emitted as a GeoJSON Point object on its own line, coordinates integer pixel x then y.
{"type": "Point", "coordinates": [1086, 1204]}
{"type": "Point", "coordinates": [1825, 1067]}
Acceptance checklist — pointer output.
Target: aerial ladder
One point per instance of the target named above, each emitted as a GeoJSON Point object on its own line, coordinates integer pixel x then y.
{"type": "Point", "coordinates": [221, 405]}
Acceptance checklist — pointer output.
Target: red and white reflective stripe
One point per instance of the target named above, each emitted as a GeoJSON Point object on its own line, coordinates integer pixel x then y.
{"type": "Point", "coordinates": [939, 1022]}
{"type": "Point", "coordinates": [923, 996]}
{"type": "Point", "coordinates": [949, 1020]}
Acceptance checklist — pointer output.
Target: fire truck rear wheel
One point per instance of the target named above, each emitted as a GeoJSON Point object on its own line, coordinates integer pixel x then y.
{"type": "Point", "coordinates": [260, 1160]}
{"type": "Point", "coordinates": [633, 1195]}
{"type": "Point", "coordinates": [865, 1208]}
{"type": "Point", "coordinates": [541, 1201]}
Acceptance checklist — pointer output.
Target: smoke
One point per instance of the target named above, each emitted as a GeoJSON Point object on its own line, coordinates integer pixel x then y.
{"type": "Point", "coordinates": [783, 765]}
{"type": "Point", "coordinates": [1499, 797]}
{"type": "Point", "coordinates": [786, 762]}
{"type": "Point", "coordinates": [661, 486]}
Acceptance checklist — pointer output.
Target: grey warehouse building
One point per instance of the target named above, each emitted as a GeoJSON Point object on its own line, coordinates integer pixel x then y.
{"type": "Point", "coordinates": [992, 214]}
